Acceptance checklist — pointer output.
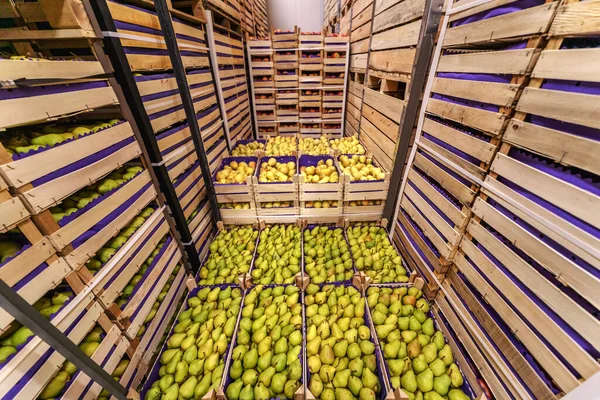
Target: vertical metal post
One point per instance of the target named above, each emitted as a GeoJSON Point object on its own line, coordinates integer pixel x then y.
{"type": "Point", "coordinates": [429, 27]}
{"type": "Point", "coordinates": [26, 314]}
{"type": "Point", "coordinates": [214, 61]}
{"type": "Point", "coordinates": [164, 17]}
{"type": "Point", "coordinates": [135, 107]}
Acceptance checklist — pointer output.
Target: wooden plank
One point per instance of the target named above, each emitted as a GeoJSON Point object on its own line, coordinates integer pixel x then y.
{"type": "Point", "coordinates": [578, 202]}
{"type": "Point", "coordinates": [577, 278]}
{"type": "Point", "coordinates": [441, 151]}
{"type": "Point", "coordinates": [382, 5]}
{"type": "Point", "coordinates": [501, 94]}
{"type": "Point", "coordinates": [47, 69]}
{"type": "Point", "coordinates": [448, 208]}
{"type": "Point", "coordinates": [384, 124]}
{"type": "Point", "coordinates": [399, 14]}
{"type": "Point", "coordinates": [12, 211]}
{"type": "Point", "coordinates": [471, 145]}
{"type": "Point", "coordinates": [478, 8]}
{"type": "Point", "coordinates": [531, 21]}
{"type": "Point", "coordinates": [576, 108]}
{"type": "Point", "coordinates": [569, 349]}
{"type": "Point", "coordinates": [547, 215]}
{"type": "Point", "coordinates": [358, 61]}
{"type": "Point", "coordinates": [519, 328]}
{"type": "Point", "coordinates": [59, 34]}
{"type": "Point", "coordinates": [447, 231]}
{"type": "Point", "coordinates": [363, 17]}
{"type": "Point", "coordinates": [401, 36]}
{"type": "Point", "coordinates": [509, 62]}
{"type": "Point", "coordinates": [477, 118]}
{"type": "Point", "coordinates": [361, 46]}
{"type": "Point", "coordinates": [579, 18]}
{"type": "Point", "coordinates": [360, 5]}
{"type": "Point", "coordinates": [448, 182]}
{"type": "Point", "coordinates": [385, 143]}
{"type": "Point", "coordinates": [399, 61]}
{"type": "Point", "coordinates": [430, 256]}
{"type": "Point", "coordinates": [569, 64]}
{"type": "Point", "coordinates": [361, 33]}
{"type": "Point", "coordinates": [562, 147]}
{"type": "Point", "coordinates": [389, 106]}
{"type": "Point", "coordinates": [381, 156]}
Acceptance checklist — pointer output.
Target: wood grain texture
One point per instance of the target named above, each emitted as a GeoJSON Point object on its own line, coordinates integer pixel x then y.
{"type": "Point", "coordinates": [513, 62]}
{"type": "Point", "coordinates": [579, 18]}
{"type": "Point", "coordinates": [401, 36]}
{"type": "Point", "coordinates": [569, 64]}
{"type": "Point", "coordinates": [396, 61]}
{"type": "Point", "coordinates": [398, 14]}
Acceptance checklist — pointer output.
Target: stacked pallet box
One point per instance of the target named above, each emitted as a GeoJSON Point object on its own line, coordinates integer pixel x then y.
{"type": "Point", "coordinates": [261, 22]}
{"type": "Point", "coordinates": [262, 70]}
{"type": "Point", "coordinates": [335, 69]}
{"type": "Point", "coordinates": [331, 15]}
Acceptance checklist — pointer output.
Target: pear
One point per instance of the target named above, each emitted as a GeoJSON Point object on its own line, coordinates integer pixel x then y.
{"type": "Point", "coordinates": [340, 348]}
{"type": "Point", "coordinates": [327, 356]}
{"type": "Point", "coordinates": [445, 354]}
{"type": "Point", "coordinates": [266, 376]}
{"type": "Point", "coordinates": [165, 382]}
{"type": "Point", "coordinates": [247, 393]}
{"type": "Point", "coordinates": [354, 385]}
{"type": "Point", "coordinates": [236, 370]}
{"type": "Point", "coordinates": [441, 384]}
{"type": "Point", "coordinates": [370, 362]}
{"type": "Point", "coordinates": [265, 345]}
{"type": "Point", "coordinates": [390, 350]}
{"type": "Point", "coordinates": [278, 382]}
{"type": "Point", "coordinates": [438, 339]}
{"type": "Point", "coordinates": [264, 361]}
{"type": "Point", "coordinates": [425, 381]}
{"type": "Point", "coordinates": [403, 323]}
{"type": "Point", "coordinates": [413, 348]}
{"type": "Point", "coordinates": [419, 364]}
{"type": "Point", "coordinates": [396, 367]}
{"type": "Point", "coordinates": [432, 395]}
{"type": "Point", "coordinates": [326, 373]}
{"type": "Point", "coordinates": [370, 380]}
{"type": "Point", "coordinates": [328, 394]}
{"type": "Point", "coordinates": [384, 330]}
{"type": "Point", "coordinates": [430, 352]}
{"type": "Point", "coordinates": [343, 394]}
{"type": "Point", "coordinates": [408, 336]}
{"type": "Point", "coordinates": [367, 347]}
{"type": "Point", "coordinates": [55, 386]}
{"type": "Point", "coordinates": [250, 359]}
{"type": "Point", "coordinates": [427, 327]}
{"type": "Point", "coordinates": [340, 380]}
{"type": "Point", "coordinates": [249, 377]}
{"type": "Point", "coordinates": [409, 381]}
{"type": "Point", "coordinates": [312, 347]}
{"type": "Point", "coordinates": [456, 394]}
{"type": "Point", "coordinates": [186, 390]}
{"type": "Point", "coordinates": [423, 339]}
{"type": "Point", "coordinates": [356, 366]}
{"type": "Point", "coordinates": [378, 317]}
{"type": "Point", "coordinates": [455, 376]}
{"type": "Point", "coordinates": [290, 387]}
{"type": "Point", "coordinates": [438, 367]}
{"type": "Point", "coordinates": [279, 362]}
{"type": "Point", "coordinates": [364, 333]}
{"type": "Point", "coordinates": [314, 364]}
{"type": "Point", "coordinates": [233, 390]}
{"type": "Point", "coordinates": [367, 394]}
{"type": "Point", "coordinates": [315, 385]}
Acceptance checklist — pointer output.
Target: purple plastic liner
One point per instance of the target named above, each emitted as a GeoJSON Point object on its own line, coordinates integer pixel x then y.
{"type": "Point", "coordinates": [22, 92]}
{"type": "Point", "coordinates": [311, 161]}
{"type": "Point", "coordinates": [109, 218]}
{"type": "Point", "coordinates": [227, 160]}
{"type": "Point", "coordinates": [422, 236]}
{"type": "Point", "coordinates": [83, 162]}
{"type": "Point", "coordinates": [432, 204]}
{"type": "Point", "coordinates": [181, 159]}
{"type": "Point", "coordinates": [378, 355]}
{"type": "Point", "coordinates": [12, 393]}
{"type": "Point", "coordinates": [456, 176]}
{"type": "Point", "coordinates": [581, 179]}
{"type": "Point", "coordinates": [447, 195]}
{"type": "Point", "coordinates": [525, 289]}
{"type": "Point", "coordinates": [170, 132]}
{"type": "Point", "coordinates": [137, 250]}
{"type": "Point", "coordinates": [496, 12]}
{"type": "Point", "coordinates": [70, 218]}
{"type": "Point", "coordinates": [467, 103]}
{"type": "Point", "coordinates": [509, 334]}
{"type": "Point", "coordinates": [185, 174]}
{"type": "Point", "coordinates": [453, 150]}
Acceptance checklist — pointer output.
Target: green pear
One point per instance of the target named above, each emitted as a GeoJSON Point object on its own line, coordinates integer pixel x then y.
{"type": "Point", "coordinates": [457, 394]}
{"type": "Point", "coordinates": [354, 351]}
{"type": "Point", "coordinates": [366, 347]}
{"type": "Point", "coordinates": [55, 386]}
{"type": "Point", "coordinates": [367, 394]}
{"type": "Point", "coordinates": [266, 376]}
{"type": "Point", "coordinates": [281, 346]}
{"type": "Point", "coordinates": [408, 336]}
{"type": "Point", "coordinates": [279, 362]}
{"type": "Point", "coordinates": [354, 385]}
{"type": "Point", "coordinates": [340, 348]}
{"type": "Point", "coordinates": [455, 376]}
{"type": "Point", "coordinates": [327, 356]}
{"type": "Point", "coordinates": [328, 393]}
{"type": "Point", "coordinates": [247, 393]}
{"type": "Point", "coordinates": [441, 384]}
{"type": "Point", "coordinates": [409, 381]}
{"type": "Point", "coordinates": [413, 348]}
{"type": "Point", "coordinates": [236, 370]}
{"type": "Point", "coordinates": [340, 380]}
{"type": "Point", "coordinates": [425, 381]}
{"type": "Point", "coordinates": [315, 385]}
{"type": "Point", "coordinates": [370, 380]}
{"type": "Point", "coordinates": [427, 327]}
{"type": "Point", "coordinates": [390, 351]}
{"type": "Point", "coordinates": [326, 373]}
{"type": "Point", "coordinates": [278, 382]}
{"type": "Point", "coordinates": [343, 394]}
{"type": "Point", "coordinates": [186, 390]}
{"type": "Point", "coordinates": [438, 339]}
{"type": "Point", "coordinates": [234, 388]}
{"type": "Point", "coordinates": [356, 366]}
{"type": "Point", "coordinates": [419, 364]}
{"type": "Point", "coordinates": [370, 362]}
{"type": "Point", "coordinates": [432, 395]}
{"type": "Point", "coordinates": [438, 367]}
{"type": "Point", "coordinates": [396, 367]}
{"type": "Point", "coordinates": [445, 354]}
{"type": "Point", "coordinates": [290, 387]}
{"type": "Point", "coordinates": [423, 339]}
{"type": "Point", "coordinates": [249, 377]}
{"type": "Point", "coordinates": [430, 352]}
{"type": "Point", "coordinates": [264, 361]}
{"type": "Point", "coordinates": [250, 359]}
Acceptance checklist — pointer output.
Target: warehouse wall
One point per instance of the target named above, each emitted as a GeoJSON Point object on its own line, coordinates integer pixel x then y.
{"type": "Point", "coordinates": [306, 14]}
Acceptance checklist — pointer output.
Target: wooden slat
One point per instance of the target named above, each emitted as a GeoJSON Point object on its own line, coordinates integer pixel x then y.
{"type": "Point", "coordinates": [576, 108]}
{"type": "Point", "coordinates": [438, 242]}
{"type": "Point", "coordinates": [447, 154]}
{"type": "Point", "coordinates": [361, 46]}
{"type": "Point", "coordinates": [360, 5]}
{"type": "Point", "coordinates": [401, 36]}
{"type": "Point", "coordinates": [391, 107]}
{"type": "Point", "coordinates": [448, 182]}
{"type": "Point", "coordinates": [531, 21]}
{"type": "Point", "coordinates": [471, 145]}
{"type": "Point", "coordinates": [45, 69]}
{"type": "Point", "coordinates": [477, 118]}
{"type": "Point", "coordinates": [578, 202]}
{"type": "Point", "coordinates": [569, 64]}
{"type": "Point", "coordinates": [358, 61]}
{"type": "Point", "coordinates": [381, 156]}
{"type": "Point", "coordinates": [401, 13]}
{"type": "Point", "coordinates": [501, 94]}
{"type": "Point", "coordinates": [386, 144]}
{"type": "Point", "coordinates": [361, 33]}
{"type": "Point", "coordinates": [384, 124]}
{"type": "Point", "coordinates": [398, 61]}
{"type": "Point", "coordinates": [448, 232]}
{"type": "Point", "coordinates": [477, 9]}
{"type": "Point", "coordinates": [562, 147]}
{"type": "Point", "coordinates": [513, 62]}
{"type": "Point", "coordinates": [363, 17]}
{"type": "Point", "coordinates": [578, 18]}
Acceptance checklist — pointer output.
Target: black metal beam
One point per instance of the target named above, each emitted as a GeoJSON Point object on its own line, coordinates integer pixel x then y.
{"type": "Point", "coordinates": [164, 17]}
{"type": "Point", "coordinates": [27, 315]}
{"type": "Point", "coordinates": [425, 47]}
{"type": "Point", "coordinates": [124, 77]}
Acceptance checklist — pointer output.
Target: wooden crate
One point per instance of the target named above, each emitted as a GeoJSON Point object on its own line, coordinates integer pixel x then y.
{"type": "Point", "coordinates": [312, 57]}
{"type": "Point", "coordinates": [310, 97]}
{"type": "Point", "coordinates": [310, 128]}
{"type": "Point", "coordinates": [274, 215]}
{"type": "Point", "coordinates": [319, 191]}
{"type": "Point", "coordinates": [332, 129]}
{"type": "Point", "coordinates": [286, 59]}
{"type": "Point", "coordinates": [287, 111]}
{"type": "Point", "coordinates": [235, 193]}
{"type": "Point", "coordinates": [310, 77]}
{"type": "Point", "coordinates": [335, 96]}
{"type": "Point", "coordinates": [266, 127]}
{"type": "Point", "coordinates": [264, 98]}
{"type": "Point", "coordinates": [26, 373]}
{"type": "Point", "coordinates": [263, 81]}
{"type": "Point", "coordinates": [332, 111]}
{"type": "Point", "coordinates": [289, 79]}
{"type": "Point", "coordinates": [286, 94]}
{"type": "Point", "coordinates": [310, 40]}
{"type": "Point", "coordinates": [286, 40]}
{"type": "Point", "coordinates": [313, 112]}
{"type": "Point", "coordinates": [288, 128]}
{"type": "Point", "coordinates": [239, 217]}
{"type": "Point", "coordinates": [277, 191]}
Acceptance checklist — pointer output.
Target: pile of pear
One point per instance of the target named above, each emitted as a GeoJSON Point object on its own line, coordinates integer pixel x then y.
{"type": "Point", "coordinates": [281, 146]}
{"type": "Point", "coordinates": [161, 296]}
{"type": "Point", "coordinates": [326, 255]}
{"type": "Point", "coordinates": [347, 145]}
{"type": "Point", "coordinates": [341, 355]}
{"type": "Point", "coordinates": [107, 251]}
{"type": "Point", "coordinates": [314, 147]}
{"type": "Point", "coordinates": [321, 204]}
{"type": "Point", "coordinates": [194, 361]}
{"type": "Point", "coordinates": [235, 206]}
{"type": "Point", "coordinates": [88, 345]}
{"type": "Point", "coordinates": [230, 256]}
{"type": "Point", "coordinates": [86, 195]}
{"type": "Point", "coordinates": [8, 248]}
{"type": "Point", "coordinates": [419, 360]}
{"type": "Point", "coordinates": [360, 168]}
{"type": "Point", "coordinates": [278, 255]}
{"type": "Point", "coordinates": [277, 204]}
{"type": "Point", "coordinates": [247, 149]}
{"type": "Point", "coordinates": [235, 172]}
{"type": "Point", "coordinates": [363, 203]}
{"type": "Point", "coordinates": [324, 172]}
{"type": "Point", "coordinates": [266, 360]}
{"type": "Point", "coordinates": [275, 171]}
{"type": "Point", "coordinates": [116, 375]}
{"type": "Point", "coordinates": [37, 137]}
{"type": "Point", "coordinates": [16, 335]}
{"type": "Point", "coordinates": [133, 282]}
{"type": "Point", "coordinates": [374, 254]}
